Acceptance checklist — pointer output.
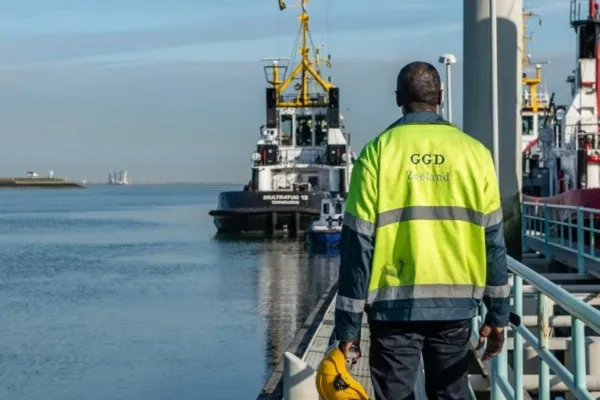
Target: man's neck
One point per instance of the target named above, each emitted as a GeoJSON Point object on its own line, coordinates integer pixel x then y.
{"type": "Point", "coordinates": [405, 111]}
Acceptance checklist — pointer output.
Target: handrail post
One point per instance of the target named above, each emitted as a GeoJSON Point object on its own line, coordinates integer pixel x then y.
{"type": "Point", "coordinates": [482, 311]}
{"type": "Point", "coordinates": [497, 364]}
{"type": "Point", "coordinates": [543, 333]}
{"type": "Point", "coordinates": [580, 242]}
{"type": "Point", "coordinates": [546, 231]}
{"type": "Point", "coordinates": [524, 209]}
{"type": "Point", "coordinates": [502, 365]}
{"type": "Point", "coordinates": [578, 359]}
{"type": "Point", "coordinates": [518, 340]}
{"type": "Point", "coordinates": [475, 325]}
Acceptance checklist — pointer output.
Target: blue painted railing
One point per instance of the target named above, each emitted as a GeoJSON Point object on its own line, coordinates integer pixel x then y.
{"type": "Point", "coordinates": [582, 314]}
{"type": "Point", "coordinates": [561, 227]}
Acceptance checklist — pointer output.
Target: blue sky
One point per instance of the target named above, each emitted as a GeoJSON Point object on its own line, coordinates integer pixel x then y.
{"type": "Point", "coordinates": [174, 90]}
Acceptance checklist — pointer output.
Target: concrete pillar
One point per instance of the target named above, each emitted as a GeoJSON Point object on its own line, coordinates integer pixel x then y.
{"type": "Point", "coordinates": [477, 100]}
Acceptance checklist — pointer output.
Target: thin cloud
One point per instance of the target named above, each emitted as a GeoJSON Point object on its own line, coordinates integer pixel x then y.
{"type": "Point", "coordinates": [558, 5]}
{"type": "Point", "coordinates": [63, 47]}
{"type": "Point", "coordinates": [155, 56]}
{"type": "Point", "coordinates": [427, 5]}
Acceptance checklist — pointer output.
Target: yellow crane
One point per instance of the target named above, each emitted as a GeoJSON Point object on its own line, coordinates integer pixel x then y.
{"type": "Point", "coordinates": [306, 68]}
{"type": "Point", "coordinates": [535, 81]}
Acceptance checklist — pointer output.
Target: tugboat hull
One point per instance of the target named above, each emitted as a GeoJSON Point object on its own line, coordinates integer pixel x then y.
{"type": "Point", "coordinates": [266, 213]}
{"type": "Point", "coordinates": [325, 239]}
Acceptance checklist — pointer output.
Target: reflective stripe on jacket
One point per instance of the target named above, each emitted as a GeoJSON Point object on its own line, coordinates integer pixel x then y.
{"type": "Point", "coordinates": [423, 236]}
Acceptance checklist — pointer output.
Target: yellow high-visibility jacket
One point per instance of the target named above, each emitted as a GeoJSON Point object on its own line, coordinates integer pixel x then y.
{"type": "Point", "coordinates": [423, 236]}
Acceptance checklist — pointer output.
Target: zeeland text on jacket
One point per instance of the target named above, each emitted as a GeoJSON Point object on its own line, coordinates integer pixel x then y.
{"type": "Point", "coordinates": [428, 159]}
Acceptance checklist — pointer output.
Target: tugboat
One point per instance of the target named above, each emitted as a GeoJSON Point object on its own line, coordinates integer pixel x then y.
{"type": "Point", "coordinates": [567, 171]}
{"type": "Point", "coordinates": [302, 156]}
{"type": "Point", "coordinates": [327, 230]}
{"type": "Point", "coordinates": [562, 162]}
{"type": "Point", "coordinates": [538, 112]}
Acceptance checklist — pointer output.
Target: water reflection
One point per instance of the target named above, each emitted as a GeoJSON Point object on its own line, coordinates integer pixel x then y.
{"type": "Point", "coordinates": [291, 282]}
{"type": "Point", "coordinates": [288, 281]}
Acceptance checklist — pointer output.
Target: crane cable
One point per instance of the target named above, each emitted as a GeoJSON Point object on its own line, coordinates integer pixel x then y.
{"type": "Point", "coordinates": [293, 53]}
{"type": "Point", "coordinates": [327, 26]}
{"type": "Point", "coordinates": [312, 43]}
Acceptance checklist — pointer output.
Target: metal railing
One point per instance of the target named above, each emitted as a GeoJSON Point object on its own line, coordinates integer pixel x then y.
{"type": "Point", "coordinates": [582, 314]}
{"type": "Point", "coordinates": [579, 11]}
{"type": "Point", "coordinates": [568, 228]}
{"type": "Point", "coordinates": [572, 229]}
{"type": "Point", "coordinates": [299, 155]}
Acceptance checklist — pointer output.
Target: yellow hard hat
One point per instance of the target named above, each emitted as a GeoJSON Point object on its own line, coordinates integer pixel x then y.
{"type": "Point", "coordinates": [334, 382]}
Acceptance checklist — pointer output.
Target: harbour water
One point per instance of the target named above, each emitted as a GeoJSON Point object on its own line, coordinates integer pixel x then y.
{"type": "Point", "coordinates": [125, 293]}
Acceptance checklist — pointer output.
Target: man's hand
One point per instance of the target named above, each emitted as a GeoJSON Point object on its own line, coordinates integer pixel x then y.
{"type": "Point", "coordinates": [350, 350]}
{"type": "Point", "coordinates": [495, 341]}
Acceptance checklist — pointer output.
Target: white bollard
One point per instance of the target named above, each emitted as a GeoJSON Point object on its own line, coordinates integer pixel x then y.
{"type": "Point", "coordinates": [299, 379]}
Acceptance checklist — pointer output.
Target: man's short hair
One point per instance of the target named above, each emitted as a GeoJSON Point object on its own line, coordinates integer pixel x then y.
{"type": "Point", "coordinates": [419, 85]}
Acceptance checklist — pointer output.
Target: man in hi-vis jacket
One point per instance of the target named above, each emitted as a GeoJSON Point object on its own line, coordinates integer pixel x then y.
{"type": "Point", "coordinates": [422, 245]}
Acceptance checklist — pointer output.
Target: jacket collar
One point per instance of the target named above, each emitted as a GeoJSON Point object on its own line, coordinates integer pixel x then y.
{"type": "Point", "coordinates": [420, 117]}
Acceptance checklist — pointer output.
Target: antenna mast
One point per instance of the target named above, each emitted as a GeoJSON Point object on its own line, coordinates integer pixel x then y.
{"type": "Point", "coordinates": [526, 16]}
{"type": "Point", "coordinates": [305, 70]}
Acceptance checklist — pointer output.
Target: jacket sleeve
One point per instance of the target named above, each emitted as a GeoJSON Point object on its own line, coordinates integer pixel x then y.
{"type": "Point", "coordinates": [357, 243]}
{"type": "Point", "coordinates": [497, 290]}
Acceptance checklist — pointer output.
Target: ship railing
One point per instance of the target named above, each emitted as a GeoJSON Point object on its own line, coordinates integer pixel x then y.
{"type": "Point", "coordinates": [569, 228]}
{"type": "Point", "coordinates": [579, 11]}
{"type": "Point", "coordinates": [319, 98]}
{"type": "Point", "coordinates": [299, 155]}
{"type": "Point", "coordinates": [507, 384]}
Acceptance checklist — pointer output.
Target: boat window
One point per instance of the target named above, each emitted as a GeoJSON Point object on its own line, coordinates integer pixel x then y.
{"type": "Point", "coordinates": [314, 182]}
{"type": "Point", "coordinates": [541, 123]}
{"type": "Point", "coordinates": [527, 125]}
{"type": "Point", "coordinates": [321, 131]}
{"type": "Point", "coordinates": [338, 208]}
{"type": "Point", "coordinates": [325, 208]}
{"type": "Point", "coordinates": [286, 130]}
{"type": "Point", "coordinates": [304, 131]}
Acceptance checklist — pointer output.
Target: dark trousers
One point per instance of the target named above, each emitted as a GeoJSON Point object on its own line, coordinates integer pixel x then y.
{"type": "Point", "coordinates": [395, 356]}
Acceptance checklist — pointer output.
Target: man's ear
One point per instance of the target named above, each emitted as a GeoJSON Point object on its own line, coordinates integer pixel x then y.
{"type": "Point", "coordinates": [399, 100]}
{"type": "Point", "coordinates": [440, 97]}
